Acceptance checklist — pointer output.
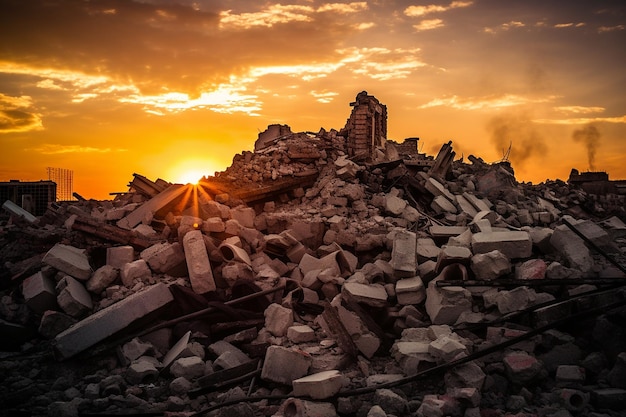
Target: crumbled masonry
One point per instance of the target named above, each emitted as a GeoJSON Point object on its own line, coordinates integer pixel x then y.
{"type": "Point", "coordinates": [336, 273]}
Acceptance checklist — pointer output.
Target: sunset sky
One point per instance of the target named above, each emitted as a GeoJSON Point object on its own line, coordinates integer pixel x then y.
{"type": "Point", "coordinates": [168, 88]}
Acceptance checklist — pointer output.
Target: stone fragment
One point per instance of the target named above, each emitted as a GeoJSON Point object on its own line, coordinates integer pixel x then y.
{"type": "Point", "coordinates": [135, 349]}
{"type": "Point", "coordinates": [568, 374]}
{"type": "Point", "coordinates": [141, 372]}
{"type": "Point", "coordinates": [110, 320]}
{"type": "Point", "coordinates": [440, 205]}
{"type": "Point", "coordinates": [301, 334]}
{"type": "Point", "coordinates": [73, 298]}
{"type": "Point", "coordinates": [403, 254]}
{"type": "Point", "coordinates": [572, 249]}
{"type": "Point", "coordinates": [244, 215]}
{"type": "Point", "coordinates": [446, 348]}
{"type": "Point", "coordinates": [117, 256]}
{"type": "Point", "coordinates": [373, 295]}
{"type": "Point", "coordinates": [531, 269]}
{"type": "Point", "coordinates": [513, 244]}
{"type": "Point", "coordinates": [68, 259]}
{"type": "Point", "coordinates": [437, 189]}
{"type": "Point", "coordinates": [283, 365]}
{"type": "Point", "coordinates": [521, 367]}
{"type": "Point", "coordinates": [166, 258]}
{"type": "Point", "coordinates": [39, 293]}
{"type": "Point", "coordinates": [198, 265]}
{"type": "Point", "coordinates": [426, 250]}
{"type": "Point", "coordinates": [102, 278]}
{"type": "Point", "coordinates": [491, 265]}
{"type": "Point", "coordinates": [135, 271]}
{"type": "Point", "coordinates": [391, 402]}
{"type": "Point", "coordinates": [54, 322]}
{"type": "Point", "coordinates": [394, 205]}
{"type": "Point", "coordinates": [319, 386]}
{"type": "Point", "coordinates": [468, 375]}
{"type": "Point", "coordinates": [444, 305]}
{"type": "Point", "coordinates": [410, 291]}
{"type": "Point", "coordinates": [278, 319]}
{"type": "Point", "coordinates": [190, 367]}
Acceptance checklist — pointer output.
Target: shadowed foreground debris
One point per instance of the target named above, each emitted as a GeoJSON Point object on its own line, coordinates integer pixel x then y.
{"type": "Point", "coordinates": [335, 273]}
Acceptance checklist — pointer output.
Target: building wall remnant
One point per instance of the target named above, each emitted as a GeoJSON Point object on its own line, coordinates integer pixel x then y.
{"type": "Point", "coordinates": [269, 135]}
{"type": "Point", "coordinates": [366, 129]}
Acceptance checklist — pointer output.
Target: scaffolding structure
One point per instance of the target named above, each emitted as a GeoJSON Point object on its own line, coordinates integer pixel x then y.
{"type": "Point", "coordinates": [64, 179]}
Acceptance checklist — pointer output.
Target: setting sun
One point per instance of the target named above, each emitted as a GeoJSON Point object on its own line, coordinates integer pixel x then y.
{"type": "Point", "coordinates": [190, 171]}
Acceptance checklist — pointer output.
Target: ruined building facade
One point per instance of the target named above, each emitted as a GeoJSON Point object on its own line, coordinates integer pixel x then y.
{"type": "Point", "coordinates": [366, 129]}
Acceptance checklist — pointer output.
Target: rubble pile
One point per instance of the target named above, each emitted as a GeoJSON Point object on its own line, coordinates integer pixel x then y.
{"type": "Point", "coordinates": [309, 279]}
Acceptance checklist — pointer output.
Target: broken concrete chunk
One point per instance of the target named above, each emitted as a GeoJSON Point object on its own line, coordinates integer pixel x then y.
{"type": "Point", "coordinates": [73, 298]}
{"type": "Point", "coordinates": [572, 248]}
{"type": "Point", "coordinates": [110, 320]}
{"type": "Point", "coordinates": [135, 271]}
{"type": "Point", "coordinates": [278, 319]}
{"type": "Point", "coordinates": [514, 244]}
{"type": "Point", "coordinates": [54, 322]}
{"type": "Point", "coordinates": [68, 259]}
{"type": "Point", "coordinates": [232, 252]}
{"type": "Point", "coordinates": [198, 265]}
{"type": "Point", "coordinates": [403, 255]}
{"type": "Point", "coordinates": [373, 294]}
{"type": "Point", "coordinates": [102, 278]}
{"type": "Point", "coordinates": [283, 365]}
{"type": "Point", "coordinates": [531, 269]}
{"type": "Point", "coordinates": [320, 385]}
{"type": "Point", "coordinates": [445, 304]}
{"type": "Point", "coordinates": [437, 189]}
{"type": "Point", "coordinates": [150, 207]}
{"type": "Point", "coordinates": [410, 291]}
{"type": "Point", "coordinates": [190, 367]}
{"type": "Point", "coordinates": [452, 255]}
{"type": "Point", "coordinates": [166, 258]}
{"type": "Point", "coordinates": [394, 205]}
{"type": "Point", "coordinates": [491, 265]}
{"type": "Point", "coordinates": [39, 293]}
{"type": "Point", "coordinates": [301, 334]}
{"type": "Point", "coordinates": [118, 256]}
{"type": "Point", "coordinates": [440, 205]}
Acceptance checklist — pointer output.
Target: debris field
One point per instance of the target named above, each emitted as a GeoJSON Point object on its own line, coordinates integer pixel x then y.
{"type": "Point", "coordinates": [330, 273]}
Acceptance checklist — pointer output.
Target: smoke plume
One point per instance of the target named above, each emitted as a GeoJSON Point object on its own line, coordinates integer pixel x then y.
{"type": "Point", "coordinates": [517, 131]}
{"type": "Point", "coordinates": [590, 137]}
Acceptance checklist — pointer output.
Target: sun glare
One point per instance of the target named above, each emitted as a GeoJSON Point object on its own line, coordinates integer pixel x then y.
{"type": "Point", "coordinates": [190, 177]}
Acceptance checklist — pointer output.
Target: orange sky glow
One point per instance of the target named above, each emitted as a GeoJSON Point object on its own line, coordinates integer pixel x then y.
{"type": "Point", "coordinates": [174, 89]}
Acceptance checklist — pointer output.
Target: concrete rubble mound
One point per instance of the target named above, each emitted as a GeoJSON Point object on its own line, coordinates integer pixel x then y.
{"type": "Point", "coordinates": [336, 273]}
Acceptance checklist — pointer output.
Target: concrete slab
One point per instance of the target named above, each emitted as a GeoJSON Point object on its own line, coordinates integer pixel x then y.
{"type": "Point", "coordinates": [73, 261]}
{"type": "Point", "coordinates": [147, 210]}
{"type": "Point", "coordinates": [198, 265]}
{"type": "Point", "coordinates": [110, 320]}
{"type": "Point", "coordinates": [514, 244]}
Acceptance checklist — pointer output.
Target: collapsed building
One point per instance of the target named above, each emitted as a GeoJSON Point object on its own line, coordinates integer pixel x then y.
{"type": "Point", "coordinates": [330, 273]}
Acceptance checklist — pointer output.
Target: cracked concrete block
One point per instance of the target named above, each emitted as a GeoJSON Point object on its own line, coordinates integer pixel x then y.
{"type": "Point", "coordinates": [319, 386]}
{"type": "Point", "coordinates": [491, 265]}
{"type": "Point", "coordinates": [73, 298]}
{"type": "Point", "coordinates": [228, 355]}
{"type": "Point", "coordinates": [135, 271]}
{"type": "Point", "coordinates": [514, 244]}
{"type": "Point", "coordinates": [301, 334]}
{"type": "Point", "coordinates": [110, 320]}
{"type": "Point", "coordinates": [190, 367]}
{"type": "Point", "coordinates": [403, 254]}
{"type": "Point", "coordinates": [117, 256]}
{"type": "Point", "coordinates": [283, 365]}
{"type": "Point", "coordinates": [373, 295]}
{"type": "Point", "coordinates": [438, 189]}
{"type": "Point", "coordinates": [73, 261]}
{"type": "Point", "coordinates": [141, 372]}
{"type": "Point", "coordinates": [521, 368]}
{"type": "Point", "coordinates": [446, 348]}
{"type": "Point", "coordinates": [410, 291]}
{"type": "Point", "coordinates": [426, 250]}
{"type": "Point", "coordinates": [442, 205]}
{"type": "Point", "coordinates": [394, 205]}
{"type": "Point", "coordinates": [531, 269]}
{"type": "Point", "coordinates": [102, 278]}
{"type": "Point", "coordinates": [278, 319]}
{"type": "Point", "coordinates": [444, 305]}
{"type": "Point", "coordinates": [54, 322]}
{"type": "Point", "coordinates": [39, 293]}
{"type": "Point", "coordinates": [572, 249]}
{"type": "Point", "coordinates": [166, 258]}
{"type": "Point", "coordinates": [198, 265]}
{"type": "Point", "coordinates": [244, 215]}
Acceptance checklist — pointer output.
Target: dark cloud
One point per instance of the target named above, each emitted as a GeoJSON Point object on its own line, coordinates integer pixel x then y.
{"type": "Point", "coordinates": [18, 121]}
{"type": "Point", "coordinates": [516, 130]}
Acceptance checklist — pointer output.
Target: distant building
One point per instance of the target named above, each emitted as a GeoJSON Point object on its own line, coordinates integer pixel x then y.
{"type": "Point", "coordinates": [32, 196]}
